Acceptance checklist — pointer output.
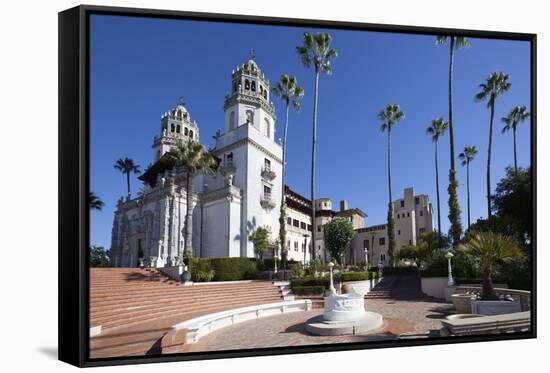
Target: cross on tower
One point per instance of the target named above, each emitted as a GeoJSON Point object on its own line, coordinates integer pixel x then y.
{"type": "Point", "coordinates": [251, 54]}
{"type": "Point", "coordinates": [181, 101]}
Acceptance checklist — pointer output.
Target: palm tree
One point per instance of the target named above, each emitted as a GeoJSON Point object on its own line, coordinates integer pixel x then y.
{"type": "Point", "coordinates": [288, 90]}
{"type": "Point", "coordinates": [495, 85]}
{"type": "Point", "coordinates": [437, 128]}
{"type": "Point", "coordinates": [466, 157]}
{"type": "Point", "coordinates": [389, 117]}
{"type": "Point", "coordinates": [516, 116]}
{"type": "Point", "coordinates": [127, 166]}
{"type": "Point", "coordinates": [191, 155]}
{"type": "Point", "coordinates": [95, 202]}
{"type": "Point", "coordinates": [316, 51]}
{"type": "Point", "coordinates": [455, 43]}
{"type": "Point", "coordinates": [490, 248]}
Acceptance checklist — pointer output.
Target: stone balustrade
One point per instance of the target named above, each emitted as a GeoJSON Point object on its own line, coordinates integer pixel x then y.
{"type": "Point", "coordinates": [524, 296]}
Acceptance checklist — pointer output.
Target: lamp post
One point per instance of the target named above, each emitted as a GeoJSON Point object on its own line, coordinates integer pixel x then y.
{"type": "Point", "coordinates": [331, 287]}
{"type": "Point", "coordinates": [449, 256]}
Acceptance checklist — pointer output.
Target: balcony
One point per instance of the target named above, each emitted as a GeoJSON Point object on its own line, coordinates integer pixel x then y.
{"type": "Point", "coordinates": [266, 200]}
{"type": "Point", "coordinates": [227, 167]}
{"type": "Point", "coordinates": [268, 173]}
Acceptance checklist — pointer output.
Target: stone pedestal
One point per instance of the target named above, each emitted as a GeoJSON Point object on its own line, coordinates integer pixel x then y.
{"type": "Point", "coordinates": [344, 315]}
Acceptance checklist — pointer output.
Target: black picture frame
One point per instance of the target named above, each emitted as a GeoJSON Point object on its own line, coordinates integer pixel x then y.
{"type": "Point", "coordinates": [74, 181]}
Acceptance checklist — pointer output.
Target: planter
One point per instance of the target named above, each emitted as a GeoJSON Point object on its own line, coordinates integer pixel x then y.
{"type": "Point", "coordinates": [495, 307]}
{"type": "Point", "coordinates": [462, 303]}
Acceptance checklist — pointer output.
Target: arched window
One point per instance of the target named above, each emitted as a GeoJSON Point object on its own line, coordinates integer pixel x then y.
{"type": "Point", "coordinates": [253, 87]}
{"type": "Point", "coordinates": [265, 94]}
{"type": "Point", "coordinates": [232, 125]}
{"type": "Point", "coordinates": [250, 116]}
{"type": "Point", "coordinates": [172, 127]}
{"type": "Point", "coordinates": [178, 129]}
{"type": "Point", "coordinates": [234, 86]}
{"type": "Point", "coordinates": [246, 84]}
{"type": "Point", "coordinates": [190, 134]}
{"type": "Point", "coordinates": [185, 131]}
{"type": "Point", "coordinates": [267, 128]}
{"type": "Point", "coordinates": [179, 114]}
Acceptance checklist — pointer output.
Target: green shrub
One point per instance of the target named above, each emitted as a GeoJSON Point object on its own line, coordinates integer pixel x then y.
{"type": "Point", "coordinates": [233, 269]}
{"type": "Point", "coordinates": [297, 267]}
{"type": "Point", "coordinates": [308, 290]}
{"type": "Point", "coordinates": [309, 281]}
{"type": "Point", "coordinates": [358, 276]}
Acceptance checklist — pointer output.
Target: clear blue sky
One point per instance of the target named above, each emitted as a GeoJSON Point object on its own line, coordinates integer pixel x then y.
{"type": "Point", "coordinates": [140, 67]}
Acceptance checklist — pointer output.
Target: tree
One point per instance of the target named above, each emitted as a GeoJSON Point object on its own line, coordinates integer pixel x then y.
{"type": "Point", "coordinates": [495, 85]}
{"type": "Point", "coordinates": [98, 256]}
{"type": "Point", "coordinates": [127, 166]}
{"type": "Point", "coordinates": [517, 115]}
{"type": "Point", "coordinates": [290, 93]}
{"type": "Point", "coordinates": [466, 157]}
{"type": "Point", "coordinates": [316, 51]}
{"type": "Point", "coordinates": [95, 202]}
{"type": "Point", "coordinates": [260, 240]}
{"type": "Point", "coordinates": [428, 244]}
{"type": "Point", "coordinates": [338, 233]}
{"type": "Point", "coordinates": [455, 43]}
{"type": "Point", "coordinates": [390, 116]}
{"type": "Point", "coordinates": [436, 129]}
{"type": "Point", "coordinates": [191, 155]}
{"type": "Point", "coordinates": [490, 248]}
{"type": "Point", "coordinates": [513, 198]}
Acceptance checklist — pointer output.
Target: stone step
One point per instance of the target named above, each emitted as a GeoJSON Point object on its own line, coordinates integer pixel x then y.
{"type": "Point", "coordinates": [191, 296]}
{"type": "Point", "coordinates": [108, 321]}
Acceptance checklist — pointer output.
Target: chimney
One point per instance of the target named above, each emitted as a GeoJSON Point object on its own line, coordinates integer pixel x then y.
{"type": "Point", "coordinates": [343, 205]}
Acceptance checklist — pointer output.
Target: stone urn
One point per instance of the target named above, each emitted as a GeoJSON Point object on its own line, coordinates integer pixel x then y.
{"type": "Point", "coordinates": [462, 303]}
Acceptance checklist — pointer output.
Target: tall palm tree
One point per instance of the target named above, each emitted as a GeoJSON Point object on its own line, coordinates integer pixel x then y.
{"type": "Point", "coordinates": [495, 85]}
{"type": "Point", "coordinates": [191, 155]}
{"type": "Point", "coordinates": [290, 93]}
{"type": "Point", "coordinates": [316, 51]}
{"type": "Point", "coordinates": [516, 116]}
{"type": "Point", "coordinates": [390, 116]}
{"type": "Point", "coordinates": [455, 43]}
{"type": "Point", "coordinates": [127, 166]}
{"type": "Point", "coordinates": [436, 129]}
{"type": "Point", "coordinates": [466, 157]}
{"type": "Point", "coordinates": [95, 202]}
{"type": "Point", "coordinates": [490, 247]}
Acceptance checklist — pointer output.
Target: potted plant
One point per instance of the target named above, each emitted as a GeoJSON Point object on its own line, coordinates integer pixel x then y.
{"type": "Point", "coordinates": [490, 248]}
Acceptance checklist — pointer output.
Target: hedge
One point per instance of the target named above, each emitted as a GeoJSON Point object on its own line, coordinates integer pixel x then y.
{"type": "Point", "coordinates": [308, 290]}
{"type": "Point", "coordinates": [359, 276]}
{"type": "Point", "coordinates": [233, 269]}
{"type": "Point", "coordinates": [311, 281]}
{"type": "Point", "coordinates": [399, 271]}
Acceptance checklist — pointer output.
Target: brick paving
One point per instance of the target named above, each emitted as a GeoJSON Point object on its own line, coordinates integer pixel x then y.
{"type": "Point", "coordinates": [403, 319]}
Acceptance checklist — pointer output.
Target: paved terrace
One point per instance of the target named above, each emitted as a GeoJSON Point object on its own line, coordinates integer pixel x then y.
{"type": "Point", "coordinates": [407, 313]}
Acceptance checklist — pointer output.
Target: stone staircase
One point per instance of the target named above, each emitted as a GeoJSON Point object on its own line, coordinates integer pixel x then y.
{"type": "Point", "coordinates": [136, 307]}
{"type": "Point", "coordinates": [399, 288]}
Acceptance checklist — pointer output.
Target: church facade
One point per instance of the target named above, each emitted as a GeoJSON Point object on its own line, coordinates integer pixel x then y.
{"type": "Point", "coordinates": [227, 207]}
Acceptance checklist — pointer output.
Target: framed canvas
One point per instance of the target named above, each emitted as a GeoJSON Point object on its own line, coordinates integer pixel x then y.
{"type": "Point", "coordinates": [235, 186]}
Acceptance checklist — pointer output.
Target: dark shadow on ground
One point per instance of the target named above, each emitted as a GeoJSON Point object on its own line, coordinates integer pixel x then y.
{"type": "Point", "coordinates": [50, 352]}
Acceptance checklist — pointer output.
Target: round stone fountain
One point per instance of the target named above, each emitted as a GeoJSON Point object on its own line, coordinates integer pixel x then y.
{"type": "Point", "coordinates": [344, 314]}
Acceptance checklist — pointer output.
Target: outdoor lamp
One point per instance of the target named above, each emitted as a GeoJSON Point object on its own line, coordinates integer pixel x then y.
{"type": "Point", "coordinates": [449, 256]}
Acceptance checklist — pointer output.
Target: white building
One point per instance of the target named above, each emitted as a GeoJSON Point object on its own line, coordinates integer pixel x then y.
{"type": "Point", "coordinates": [244, 194]}
{"type": "Point", "coordinates": [413, 215]}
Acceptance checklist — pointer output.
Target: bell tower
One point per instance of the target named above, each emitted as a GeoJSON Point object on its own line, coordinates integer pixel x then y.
{"type": "Point", "coordinates": [248, 102]}
{"type": "Point", "coordinates": [175, 125]}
